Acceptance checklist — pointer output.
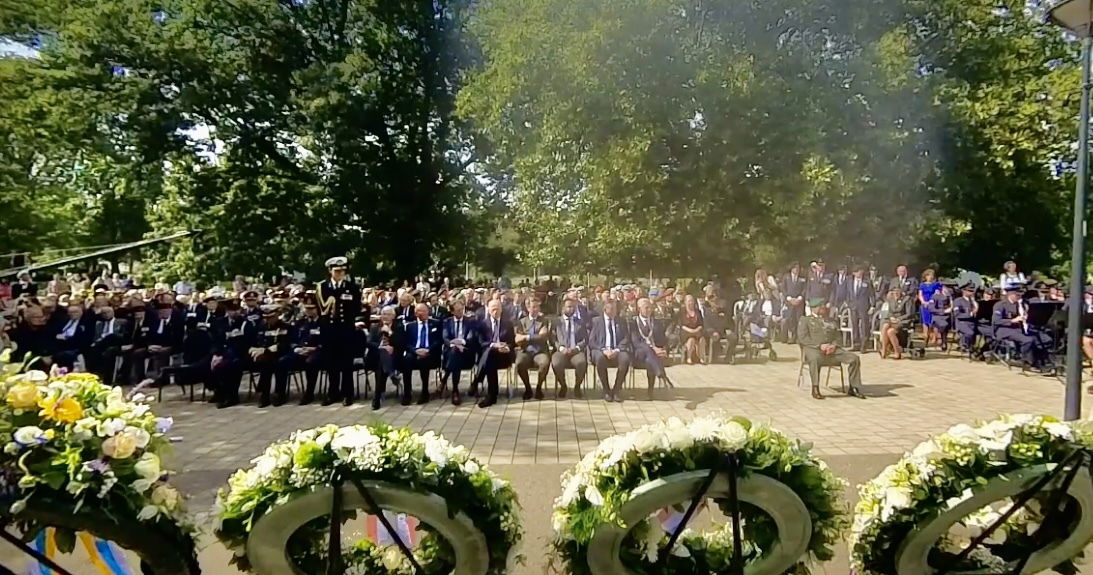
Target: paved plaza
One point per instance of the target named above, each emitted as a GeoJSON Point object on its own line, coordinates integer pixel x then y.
{"type": "Point", "coordinates": [532, 442]}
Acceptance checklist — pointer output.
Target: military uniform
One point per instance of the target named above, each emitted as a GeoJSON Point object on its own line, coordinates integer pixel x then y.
{"type": "Point", "coordinates": [307, 353]}
{"type": "Point", "coordinates": [1007, 329]}
{"type": "Point", "coordinates": [340, 304]}
{"type": "Point", "coordinates": [275, 339]}
{"type": "Point", "coordinates": [812, 332]}
{"type": "Point", "coordinates": [941, 315]}
{"type": "Point", "coordinates": [232, 338]}
{"type": "Point", "coordinates": [964, 308]}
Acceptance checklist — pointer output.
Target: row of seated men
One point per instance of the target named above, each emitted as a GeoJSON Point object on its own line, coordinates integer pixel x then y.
{"type": "Point", "coordinates": [219, 342]}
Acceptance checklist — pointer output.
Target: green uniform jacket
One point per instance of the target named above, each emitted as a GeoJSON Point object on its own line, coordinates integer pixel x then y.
{"type": "Point", "coordinates": [814, 332]}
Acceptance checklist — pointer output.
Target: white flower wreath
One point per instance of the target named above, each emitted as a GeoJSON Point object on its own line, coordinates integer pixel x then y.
{"type": "Point", "coordinates": [469, 516]}
{"type": "Point", "coordinates": [930, 505]}
{"type": "Point", "coordinates": [790, 509]}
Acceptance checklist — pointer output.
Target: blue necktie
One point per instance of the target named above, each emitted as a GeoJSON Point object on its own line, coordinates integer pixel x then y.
{"type": "Point", "coordinates": [569, 331]}
{"type": "Point", "coordinates": [420, 334]}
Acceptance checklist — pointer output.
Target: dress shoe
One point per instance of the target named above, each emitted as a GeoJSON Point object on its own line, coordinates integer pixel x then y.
{"type": "Point", "coordinates": [423, 399]}
{"type": "Point", "coordinates": [228, 402]}
{"type": "Point", "coordinates": [405, 400]}
{"type": "Point", "coordinates": [263, 402]}
{"type": "Point", "coordinates": [307, 399]}
{"type": "Point", "coordinates": [855, 392]}
{"type": "Point", "coordinates": [456, 400]}
{"type": "Point", "coordinates": [578, 393]}
{"type": "Point", "coordinates": [330, 400]}
{"type": "Point", "coordinates": [528, 393]}
{"type": "Point", "coordinates": [562, 390]}
{"type": "Point", "coordinates": [773, 356]}
{"type": "Point", "coordinates": [487, 402]}
{"type": "Point", "coordinates": [474, 389]}
{"type": "Point", "coordinates": [279, 400]}
{"type": "Point", "coordinates": [347, 401]}
{"type": "Point", "coordinates": [539, 392]}
{"type": "Point", "coordinates": [816, 393]}
{"type": "Point", "coordinates": [375, 404]}
{"type": "Point", "coordinates": [608, 398]}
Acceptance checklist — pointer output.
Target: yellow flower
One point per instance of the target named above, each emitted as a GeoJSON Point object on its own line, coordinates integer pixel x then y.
{"type": "Point", "coordinates": [120, 446]}
{"type": "Point", "coordinates": [23, 396]}
{"type": "Point", "coordinates": [63, 410]}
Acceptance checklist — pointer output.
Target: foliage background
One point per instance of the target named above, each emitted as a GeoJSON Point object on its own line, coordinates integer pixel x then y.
{"type": "Point", "coordinates": [679, 136]}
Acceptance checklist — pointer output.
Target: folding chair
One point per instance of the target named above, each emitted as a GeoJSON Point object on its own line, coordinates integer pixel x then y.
{"type": "Point", "coordinates": [827, 381]}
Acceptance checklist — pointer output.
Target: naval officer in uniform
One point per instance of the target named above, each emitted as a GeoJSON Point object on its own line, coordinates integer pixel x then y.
{"type": "Point", "coordinates": [340, 303]}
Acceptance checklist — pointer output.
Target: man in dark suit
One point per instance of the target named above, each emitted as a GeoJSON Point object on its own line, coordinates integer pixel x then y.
{"type": "Point", "coordinates": [840, 287]}
{"type": "Point", "coordinates": [73, 337]}
{"type": "Point", "coordinates": [609, 345]}
{"type": "Point", "coordinates": [793, 290]}
{"type": "Point", "coordinates": [34, 340]}
{"type": "Point", "coordinates": [497, 340]}
{"type": "Point", "coordinates": [571, 346]}
{"type": "Point", "coordinates": [405, 311]}
{"type": "Point", "coordinates": [164, 339]}
{"type": "Point", "coordinates": [820, 284]}
{"type": "Point", "coordinates": [906, 283]}
{"type": "Point", "coordinates": [340, 303]}
{"type": "Point", "coordinates": [459, 347]}
{"type": "Point", "coordinates": [232, 339]}
{"type": "Point", "coordinates": [422, 343]}
{"type": "Point", "coordinates": [533, 347]}
{"type": "Point", "coordinates": [106, 342]}
{"type": "Point", "coordinates": [861, 299]}
{"type": "Point", "coordinates": [382, 357]}
{"type": "Point", "coordinates": [650, 343]}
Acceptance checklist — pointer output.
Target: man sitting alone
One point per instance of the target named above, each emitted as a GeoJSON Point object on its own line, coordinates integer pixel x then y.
{"type": "Point", "coordinates": [816, 337]}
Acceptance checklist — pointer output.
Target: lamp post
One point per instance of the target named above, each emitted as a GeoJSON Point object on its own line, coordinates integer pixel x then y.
{"type": "Point", "coordinates": [1077, 16]}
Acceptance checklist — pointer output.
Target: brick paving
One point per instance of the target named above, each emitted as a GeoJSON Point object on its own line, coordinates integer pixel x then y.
{"type": "Point", "coordinates": [532, 442]}
{"type": "Point", "coordinates": [908, 400]}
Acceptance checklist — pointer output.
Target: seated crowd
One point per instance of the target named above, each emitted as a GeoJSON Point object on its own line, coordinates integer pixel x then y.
{"type": "Point", "coordinates": [215, 337]}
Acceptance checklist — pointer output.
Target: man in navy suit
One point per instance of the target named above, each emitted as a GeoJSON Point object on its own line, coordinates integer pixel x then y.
{"type": "Point", "coordinates": [571, 347]}
{"type": "Point", "coordinates": [861, 299]}
{"type": "Point", "coordinates": [609, 345]}
{"type": "Point", "coordinates": [460, 341]}
{"type": "Point", "coordinates": [650, 343]}
{"type": "Point", "coordinates": [73, 337]}
{"type": "Point", "coordinates": [841, 289]}
{"type": "Point", "coordinates": [497, 340]}
{"type": "Point", "coordinates": [422, 342]}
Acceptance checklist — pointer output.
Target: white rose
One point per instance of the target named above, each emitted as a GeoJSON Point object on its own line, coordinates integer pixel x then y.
{"type": "Point", "coordinates": [733, 436]}
{"type": "Point", "coordinates": [927, 450]}
{"type": "Point", "coordinates": [963, 433]}
{"type": "Point", "coordinates": [471, 467]}
{"type": "Point", "coordinates": [166, 497]}
{"type": "Point", "coordinates": [897, 497]}
{"type": "Point", "coordinates": [436, 452]}
{"type": "Point", "coordinates": [593, 495]}
{"type": "Point", "coordinates": [148, 466]}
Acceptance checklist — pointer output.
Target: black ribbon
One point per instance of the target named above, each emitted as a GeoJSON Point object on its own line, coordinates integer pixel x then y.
{"type": "Point", "coordinates": [1050, 528]}
{"type": "Point", "coordinates": [731, 467]}
{"type": "Point", "coordinates": [334, 564]}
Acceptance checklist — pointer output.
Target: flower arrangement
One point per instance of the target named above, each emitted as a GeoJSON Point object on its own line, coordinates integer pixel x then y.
{"type": "Point", "coordinates": [78, 456]}
{"type": "Point", "coordinates": [944, 472]}
{"type": "Point", "coordinates": [599, 486]}
{"type": "Point", "coordinates": [422, 462]}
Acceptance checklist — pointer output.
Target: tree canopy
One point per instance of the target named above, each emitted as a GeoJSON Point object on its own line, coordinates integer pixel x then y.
{"type": "Point", "coordinates": [680, 136]}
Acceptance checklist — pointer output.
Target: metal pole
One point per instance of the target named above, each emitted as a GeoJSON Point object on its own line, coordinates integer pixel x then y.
{"type": "Point", "coordinates": [1073, 408]}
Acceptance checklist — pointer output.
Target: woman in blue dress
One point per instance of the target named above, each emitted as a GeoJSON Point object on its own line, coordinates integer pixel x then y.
{"type": "Point", "coordinates": [926, 290]}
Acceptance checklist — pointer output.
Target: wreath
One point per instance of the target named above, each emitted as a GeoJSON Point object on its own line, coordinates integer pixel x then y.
{"type": "Point", "coordinates": [935, 508]}
{"type": "Point", "coordinates": [607, 519]}
{"type": "Point", "coordinates": [80, 456]}
{"type": "Point", "coordinates": [276, 514]}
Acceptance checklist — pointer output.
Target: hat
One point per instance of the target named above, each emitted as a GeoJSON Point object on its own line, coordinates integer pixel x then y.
{"type": "Point", "coordinates": [337, 262]}
{"type": "Point", "coordinates": [163, 305]}
{"type": "Point", "coordinates": [308, 300]}
{"type": "Point", "coordinates": [1050, 282]}
{"type": "Point", "coordinates": [1089, 289]}
{"type": "Point", "coordinates": [948, 282]}
{"type": "Point", "coordinates": [211, 296]}
{"type": "Point", "coordinates": [1016, 288]}
{"type": "Point", "coordinates": [249, 293]}
{"type": "Point", "coordinates": [216, 292]}
{"type": "Point", "coordinates": [817, 302]}
{"type": "Point", "coordinates": [270, 309]}
{"type": "Point", "coordinates": [231, 305]}
{"type": "Point", "coordinates": [968, 286]}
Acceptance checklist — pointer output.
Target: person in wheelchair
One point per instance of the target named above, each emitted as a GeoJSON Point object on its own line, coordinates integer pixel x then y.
{"type": "Point", "coordinates": [759, 325]}
{"type": "Point", "coordinates": [896, 316]}
{"type": "Point", "coordinates": [817, 336]}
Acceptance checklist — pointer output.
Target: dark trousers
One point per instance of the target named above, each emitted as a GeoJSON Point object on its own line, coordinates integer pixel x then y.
{"type": "Point", "coordinates": [194, 369]}
{"type": "Point", "coordinates": [942, 324]}
{"type": "Point", "coordinates": [790, 321]}
{"type": "Point", "coordinates": [560, 362]}
{"type": "Point", "coordinates": [524, 361]}
{"type": "Point", "coordinates": [488, 366]}
{"type": "Point", "coordinates": [814, 359]}
{"type": "Point", "coordinates": [340, 350]}
{"type": "Point", "coordinates": [309, 364]}
{"type": "Point", "coordinates": [272, 369]}
{"type": "Point", "coordinates": [101, 360]}
{"type": "Point", "coordinates": [966, 330]}
{"type": "Point", "coordinates": [621, 361]}
{"type": "Point", "coordinates": [227, 376]}
{"type": "Point", "coordinates": [861, 328]}
{"type": "Point", "coordinates": [654, 366]}
{"type": "Point", "coordinates": [66, 358]}
{"type": "Point", "coordinates": [1025, 343]}
{"type": "Point", "coordinates": [411, 362]}
{"type": "Point", "coordinates": [383, 365]}
{"type": "Point", "coordinates": [455, 362]}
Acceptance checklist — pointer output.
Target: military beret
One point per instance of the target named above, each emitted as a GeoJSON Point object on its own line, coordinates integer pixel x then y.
{"type": "Point", "coordinates": [816, 302]}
